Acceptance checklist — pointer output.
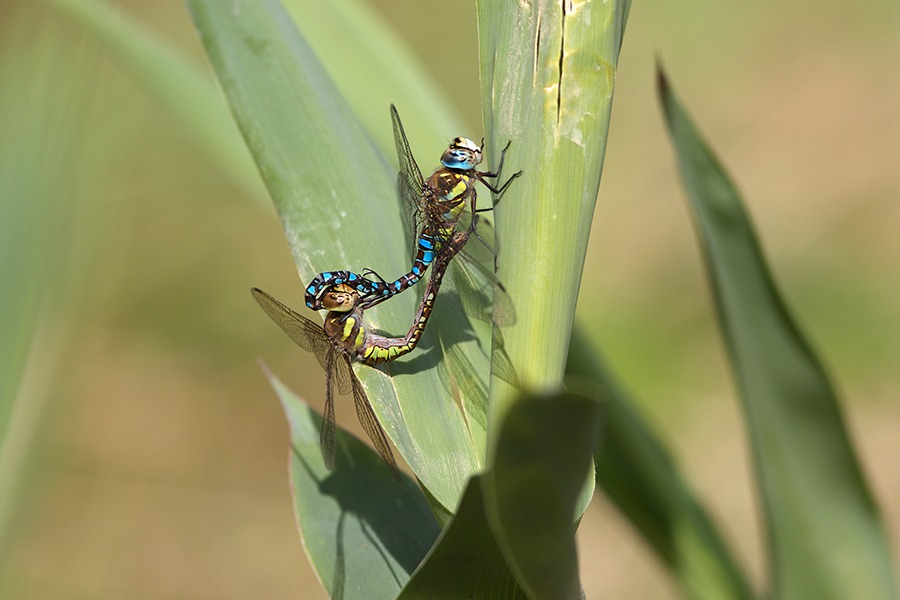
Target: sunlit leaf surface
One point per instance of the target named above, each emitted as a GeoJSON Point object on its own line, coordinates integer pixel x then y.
{"type": "Point", "coordinates": [466, 562]}
{"type": "Point", "coordinates": [337, 199]}
{"type": "Point", "coordinates": [547, 75]}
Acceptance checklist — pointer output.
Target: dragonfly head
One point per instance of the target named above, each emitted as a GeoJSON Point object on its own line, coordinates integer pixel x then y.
{"type": "Point", "coordinates": [463, 153]}
{"type": "Point", "coordinates": [339, 298]}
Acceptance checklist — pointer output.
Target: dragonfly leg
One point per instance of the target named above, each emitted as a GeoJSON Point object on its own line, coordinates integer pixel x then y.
{"type": "Point", "coordinates": [381, 290]}
{"type": "Point", "coordinates": [500, 165]}
{"type": "Point", "coordinates": [486, 245]}
{"type": "Point", "coordinates": [367, 272]}
{"type": "Point", "coordinates": [498, 192]}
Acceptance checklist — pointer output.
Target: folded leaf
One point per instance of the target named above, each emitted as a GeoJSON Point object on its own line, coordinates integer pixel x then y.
{"type": "Point", "coordinates": [544, 453]}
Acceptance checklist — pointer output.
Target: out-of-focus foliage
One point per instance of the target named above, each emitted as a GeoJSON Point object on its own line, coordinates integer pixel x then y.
{"type": "Point", "coordinates": [51, 76]}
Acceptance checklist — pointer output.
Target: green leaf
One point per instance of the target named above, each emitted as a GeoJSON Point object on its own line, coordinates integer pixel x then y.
{"type": "Point", "coordinates": [364, 533]}
{"type": "Point", "coordinates": [373, 68]}
{"type": "Point", "coordinates": [336, 196]}
{"type": "Point", "coordinates": [522, 512]}
{"type": "Point", "coordinates": [168, 77]}
{"type": "Point", "coordinates": [466, 562]}
{"type": "Point", "coordinates": [825, 536]}
{"type": "Point", "coordinates": [340, 30]}
{"type": "Point", "coordinates": [636, 472]}
{"type": "Point", "coordinates": [547, 74]}
{"type": "Point", "coordinates": [543, 456]}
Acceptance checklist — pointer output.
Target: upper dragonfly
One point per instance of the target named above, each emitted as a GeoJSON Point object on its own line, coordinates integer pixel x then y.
{"type": "Point", "coordinates": [434, 207]}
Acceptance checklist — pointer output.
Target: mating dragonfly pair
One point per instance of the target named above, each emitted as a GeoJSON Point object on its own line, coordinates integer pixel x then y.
{"type": "Point", "coordinates": [435, 209]}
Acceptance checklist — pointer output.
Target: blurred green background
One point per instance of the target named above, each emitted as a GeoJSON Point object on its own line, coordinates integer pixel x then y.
{"type": "Point", "coordinates": [146, 455]}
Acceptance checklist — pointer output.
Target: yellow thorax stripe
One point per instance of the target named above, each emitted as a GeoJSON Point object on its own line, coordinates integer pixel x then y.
{"type": "Point", "coordinates": [349, 325]}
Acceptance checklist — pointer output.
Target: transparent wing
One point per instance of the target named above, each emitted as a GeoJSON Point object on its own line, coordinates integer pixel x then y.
{"type": "Point", "coordinates": [501, 365]}
{"type": "Point", "coordinates": [328, 437]}
{"type": "Point", "coordinates": [343, 377]}
{"type": "Point", "coordinates": [409, 179]}
{"type": "Point", "coordinates": [370, 423]}
{"type": "Point", "coordinates": [308, 335]}
{"type": "Point", "coordinates": [474, 287]}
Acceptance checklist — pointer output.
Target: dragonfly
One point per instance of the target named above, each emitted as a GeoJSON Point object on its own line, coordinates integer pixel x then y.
{"type": "Point", "coordinates": [434, 209]}
{"type": "Point", "coordinates": [344, 338]}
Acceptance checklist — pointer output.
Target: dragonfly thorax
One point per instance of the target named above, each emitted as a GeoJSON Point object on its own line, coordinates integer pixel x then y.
{"type": "Point", "coordinates": [346, 331]}
{"type": "Point", "coordinates": [462, 154]}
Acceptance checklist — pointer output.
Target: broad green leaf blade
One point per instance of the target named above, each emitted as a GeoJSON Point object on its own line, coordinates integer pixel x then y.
{"type": "Point", "coordinates": [337, 200]}
{"type": "Point", "coordinates": [542, 456]}
{"type": "Point", "coordinates": [364, 532]}
{"type": "Point", "coordinates": [373, 67]}
{"type": "Point", "coordinates": [825, 535]}
{"type": "Point", "coordinates": [466, 562]}
{"type": "Point", "coordinates": [181, 89]}
{"type": "Point", "coordinates": [547, 72]}
{"type": "Point", "coordinates": [636, 471]}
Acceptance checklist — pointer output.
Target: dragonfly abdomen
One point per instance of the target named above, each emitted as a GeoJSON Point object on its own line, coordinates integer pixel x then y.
{"type": "Point", "coordinates": [378, 349]}
{"type": "Point", "coordinates": [429, 244]}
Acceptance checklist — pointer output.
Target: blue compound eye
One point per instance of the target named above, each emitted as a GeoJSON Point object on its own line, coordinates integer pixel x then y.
{"type": "Point", "coordinates": [463, 153]}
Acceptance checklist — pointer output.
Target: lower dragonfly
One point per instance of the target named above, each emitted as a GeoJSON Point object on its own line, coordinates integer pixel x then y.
{"type": "Point", "coordinates": [344, 338]}
{"type": "Point", "coordinates": [434, 208]}
{"type": "Point", "coordinates": [473, 288]}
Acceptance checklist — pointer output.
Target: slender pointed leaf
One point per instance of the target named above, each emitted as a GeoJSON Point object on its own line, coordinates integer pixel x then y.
{"type": "Point", "coordinates": [187, 95]}
{"type": "Point", "coordinates": [373, 68]}
{"type": "Point", "coordinates": [826, 539]}
{"type": "Point", "coordinates": [364, 533]}
{"type": "Point", "coordinates": [636, 471]}
{"type": "Point", "coordinates": [336, 197]}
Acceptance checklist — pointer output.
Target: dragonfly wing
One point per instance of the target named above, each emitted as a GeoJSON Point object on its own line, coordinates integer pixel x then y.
{"type": "Point", "coordinates": [476, 289]}
{"type": "Point", "coordinates": [409, 180]}
{"type": "Point", "coordinates": [328, 437]}
{"type": "Point", "coordinates": [308, 335]}
{"type": "Point", "coordinates": [501, 365]}
{"type": "Point", "coordinates": [370, 424]}
{"type": "Point", "coordinates": [343, 377]}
